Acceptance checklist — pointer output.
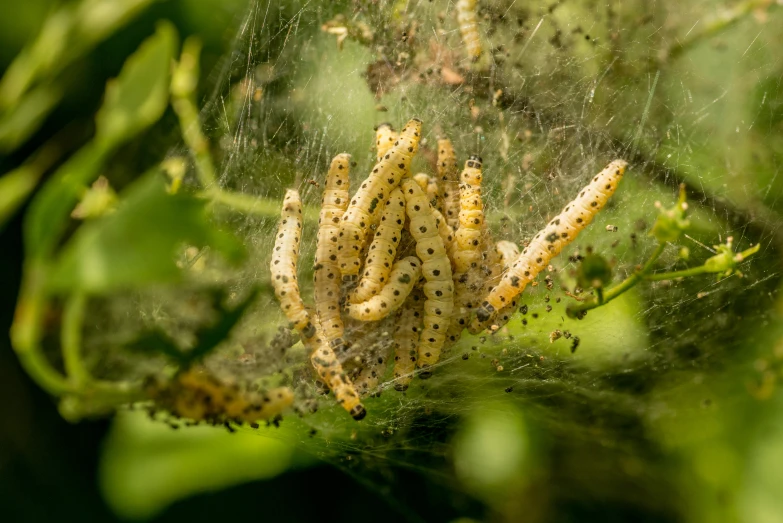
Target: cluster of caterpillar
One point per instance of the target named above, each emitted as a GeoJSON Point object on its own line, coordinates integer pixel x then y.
{"type": "Point", "coordinates": [407, 263]}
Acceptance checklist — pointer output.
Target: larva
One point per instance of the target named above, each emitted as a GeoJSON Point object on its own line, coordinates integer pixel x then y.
{"type": "Point", "coordinates": [445, 232]}
{"type": "Point", "coordinates": [376, 360]}
{"type": "Point", "coordinates": [199, 396]}
{"type": "Point", "coordinates": [548, 243]}
{"type": "Point", "coordinates": [406, 339]}
{"type": "Point", "coordinates": [468, 237]}
{"type": "Point", "coordinates": [430, 186]}
{"type": "Point", "coordinates": [404, 275]}
{"type": "Point", "coordinates": [468, 27]}
{"type": "Point", "coordinates": [385, 136]}
{"type": "Point", "coordinates": [436, 268]}
{"type": "Point", "coordinates": [466, 252]}
{"type": "Point", "coordinates": [506, 253]}
{"type": "Point", "coordinates": [327, 272]}
{"type": "Point", "coordinates": [447, 172]}
{"type": "Point", "coordinates": [383, 249]}
{"type": "Point", "coordinates": [285, 256]}
{"type": "Point", "coordinates": [331, 372]}
{"type": "Point", "coordinates": [375, 189]}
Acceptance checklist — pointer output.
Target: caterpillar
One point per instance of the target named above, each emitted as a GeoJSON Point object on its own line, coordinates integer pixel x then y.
{"type": "Point", "coordinates": [197, 395]}
{"type": "Point", "coordinates": [326, 270]}
{"type": "Point", "coordinates": [466, 252]}
{"type": "Point", "coordinates": [384, 177]}
{"type": "Point", "coordinates": [404, 275]}
{"type": "Point", "coordinates": [467, 248]}
{"type": "Point", "coordinates": [561, 231]}
{"type": "Point", "coordinates": [436, 268]}
{"type": "Point", "coordinates": [406, 339]}
{"type": "Point", "coordinates": [385, 136]}
{"type": "Point", "coordinates": [430, 186]}
{"type": "Point", "coordinates": [382, 250]}
{"type": "Point", "coordinates": [331, 372]}
{"type": "Point", "coordinates": [285, 256]}
{"type": "Point", "coordinates": [447, 171]}
{"type": "Point", "coordinates": [445, 232]}
{"type": "Point", "coordinates": [468, 27]}
{"type": "Point", "coordinates": [506, 253]}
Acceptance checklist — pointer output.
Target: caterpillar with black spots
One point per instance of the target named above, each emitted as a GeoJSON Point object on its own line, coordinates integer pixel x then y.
{"type": "Point", "coordinates": [197, 395]}
{"type": "Point", "coordinates": [548, 243]}
{"type": "Point", "coordinates": [359, 216]}
{"type": "Point", "coordinates": [436, 268]}
{"type": "Point", "coordinates": [326, 290]}
{"type": "Point", "coordinates": [449, 181]}
{"type": "Point", "coordinates": [406, 339]}
{"type": "Point", "coordinates": [283, 267]}
{"type": "Point", "coordinates": [385, 136]}
{"type": "Point", "coordinates": [383, 249]}
{"type": "Point", "coordinates": [404, 275]}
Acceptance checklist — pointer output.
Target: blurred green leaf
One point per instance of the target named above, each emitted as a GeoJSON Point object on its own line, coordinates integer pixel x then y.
{"type": "Point", "coordinates": [146, 466]}
{"type": "Point", "coordinates": [135, 100]}
{"type": "Point", "coordinates": [23, 119]}
{"type": "Point", "coordinates": [139, 95]}
{"type": "Point", "coordinates": [135, 246]}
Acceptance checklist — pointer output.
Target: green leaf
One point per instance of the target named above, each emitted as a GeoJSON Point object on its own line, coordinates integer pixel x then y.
{"type": "Point", "coordinates": [24, 118]}
{"type": "Point", "coordinates": [15, 186]}
{"type": "Point", "coordinates": [136, 245]}
{"type": "Point", "coordinates": [139, 95]}
{"type": "Point", "coordinates": [135, 100]}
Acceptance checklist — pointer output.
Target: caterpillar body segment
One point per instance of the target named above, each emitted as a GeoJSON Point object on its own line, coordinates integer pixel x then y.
{"type": "Point", "coordinates": [283, 267]}
{"type": "Point", "coordinates": [506, 253]}
{"type": "Point", "coordinates": [449, 181]}
{"type": "Point", "coordinates": [327, 271]}
{"type": "Point", "coordinates": [199, 396]}
{"type": "Point", "coordinates": [446, 234]}
{"type": "Point", "coordinates": [430, 186]}
{"type": "Point", "coordinates": [406, 339]}
{"type": "Point", "coordinates": [385, 136]}
{"type": "Point", "coordinates": [548, 243]}
{"type": "Point", "coordinates": [404, 275]}
{"type": "Point", "coordinates": [436, 269]}
{"type": "Point", "coordinates": [468, 237]}
{"type": "Point", "coordinates": [467, 19]}
{"type": "Point", "coordinates": [377, 360]}
{"type": "Point", "coordinates": [383, 249]}
{"type": "Point", "coordinates": [331, 372]}
{"type": "Point", "coordinates": [359, 216]}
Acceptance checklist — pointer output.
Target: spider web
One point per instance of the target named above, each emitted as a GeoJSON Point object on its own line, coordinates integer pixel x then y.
{"type": "Point", "coordinates": [522, 421]}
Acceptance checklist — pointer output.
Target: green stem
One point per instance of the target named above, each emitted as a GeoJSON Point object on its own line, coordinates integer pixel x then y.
{"type": "Point", "coordinates": [183, 93]}
{"type": "Point", "coordinates": [578, 309]}
{"type": "Point", "coordinates": [73, 320]}
{"type": "Point", "coordinates": [693, 271]}
{"type": "Point", "coordinates": [26, 333]}
{"type": "Point", "coordinates": [255, 205]}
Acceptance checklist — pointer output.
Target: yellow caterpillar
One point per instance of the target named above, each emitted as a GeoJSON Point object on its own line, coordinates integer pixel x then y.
{"type": "Point", "coordinates": [377, 360]}
{"type": "Point", "coordinates": [548, 243]}
{"type": "Point", "coordinates": [447, 172]}
{"type": "Point", "coordinates": [507, 253]}
{"type": "Point", "coordinates": [436, 269]}
{"type": "Point", "coordinates": [468, 27]}
{"type": "Point", "coordinates": [384, 177]}
{"type": "Point", "coordinates": [385, 136]}
{"type": "Point", "coordinates": [199, 396]}
{"type": "Point", "coordinates": [382, 250]}
{"type": "Point", "coordinates": [327, 272]}
{"type": "Point", "coordinates": [404, 275]}
{"type": "Point", "coordinates": [285, 256]}
{"type": "Point", "coordinates": [406, 339]}
{"type": "Point", "coordinates": [430, 186]}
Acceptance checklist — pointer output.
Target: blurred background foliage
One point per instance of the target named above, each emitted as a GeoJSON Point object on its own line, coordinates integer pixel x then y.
{"type": "Point", "coordinates": [653, 421]}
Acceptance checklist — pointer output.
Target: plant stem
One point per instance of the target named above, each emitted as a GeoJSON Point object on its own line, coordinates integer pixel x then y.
{"type": "Point", "coordinates": [71, 339]}
{"type": "Point", "coordinates": [255, 205]}
{"type": "Point", "coordinates": [578, 309]}
{"type": "Point", "coordinates": [693, 271]}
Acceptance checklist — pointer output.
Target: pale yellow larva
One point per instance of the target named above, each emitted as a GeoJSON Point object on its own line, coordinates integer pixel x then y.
{"type": "Point", "coordinates": [548, 243]}
{"type": "Point", "coordinates": [377, 360]}
{"type": "Point", "coordinates": [436, 268]}
{"type": "Point", "coordinates": [385, 136]}
{"type": "Point", "coordinates": [467, 19]}
{"type": "Point", "coordinates": [404, 275]}
{"type": "Point", "coordinates": [506, 253]}
{"type": "Point", "coordinates": [331, 372]}
{"type": "Point", "coordinates": [406, 339]}
{"type": "Point", "coordinates": [283, 267]}
{"type": "Point", "coordinates": [468, 237]}
{"type": "Point", "coordinates": [383, 249]}
{"type": "Point", "coordinates": [326, 270]}
{"type": "Point", "coordinates": [449, 181]}
{"type": "Point", "coordinates": [361, 212]}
